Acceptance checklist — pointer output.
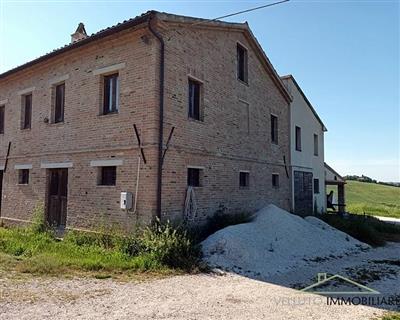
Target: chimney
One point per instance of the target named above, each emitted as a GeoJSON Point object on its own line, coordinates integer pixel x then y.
{"type": "Point", "coordinates": [79, 34]}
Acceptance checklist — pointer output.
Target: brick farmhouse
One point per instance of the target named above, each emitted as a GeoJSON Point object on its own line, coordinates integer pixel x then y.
{"type": "Point", "coordinates": [159, 116]}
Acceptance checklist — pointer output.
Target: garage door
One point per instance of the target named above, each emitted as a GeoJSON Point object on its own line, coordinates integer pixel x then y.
{"type": "Point", "coordinates": [303, 192]}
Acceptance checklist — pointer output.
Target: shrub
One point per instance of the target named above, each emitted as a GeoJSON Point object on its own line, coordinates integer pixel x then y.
{"type": "Point", "coordinates": [39, 223]}
{"type": "Point", "coordinates": [131, 246]}
{"type": "Point", "coordinates": [366, 229]}
{"type": "Point", "coordinates": [220, 220]}
{"type": "Point", "coordinates": [156, 248]}
{"type": "Point", "coordinates": [170, 246]}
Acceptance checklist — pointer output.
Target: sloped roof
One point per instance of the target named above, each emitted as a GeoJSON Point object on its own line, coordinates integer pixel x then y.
{"type": "Point", "coordinates": [93, 37]}
{"type": "Point", "coordinates": [191, 21]}
{"type": "Point", "coordinates": [328, 167]}
{"type": "Point", "coordinates": [289, 76]}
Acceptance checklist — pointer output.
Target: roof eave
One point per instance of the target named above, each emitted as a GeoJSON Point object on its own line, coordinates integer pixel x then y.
{"type": "Point", "coordinates": [290, 76]}
{"type": "Point", "coordinates": [99, 35]}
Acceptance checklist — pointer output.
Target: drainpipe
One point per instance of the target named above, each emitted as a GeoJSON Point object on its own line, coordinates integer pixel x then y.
{"type": "Point", "coordinates": [161, 117]}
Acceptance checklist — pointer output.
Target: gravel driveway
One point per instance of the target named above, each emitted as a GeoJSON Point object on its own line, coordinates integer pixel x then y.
{"type": "Point", "coordinates": [203, 296]}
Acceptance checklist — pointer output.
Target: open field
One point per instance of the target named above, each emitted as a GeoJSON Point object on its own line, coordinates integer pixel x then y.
{"type": "Point", "coordinates": [371, 198]}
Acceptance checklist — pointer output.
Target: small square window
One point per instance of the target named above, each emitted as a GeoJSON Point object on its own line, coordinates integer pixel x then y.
{"type": "Point", "coordinates": [316, 186]}
{"type": "Point", "coordinates": [242, 69]}
{"type": "Point", "coordinates": [26, 111]}
{"type": "Point", "coordinates": [111, 94]}
{"type": "Point", "coordinates": [298, 138]}
{"type": "Point", "coordinates": [2, 118]}
{"type": "Point", "coordinates": [23, 176]}
{"type": "Point", "coordinates": [244, 179]}
{"type": "Point", "coordinates": [274, 129]}
{"type": "Point", "coordinates": [194, 99]}
{"type": "Point", "coordinates": [107, 176]}
{"type": "Point", "coordinates": [194, 177]}
{"type": "Point", "coordinates": [275, 180]}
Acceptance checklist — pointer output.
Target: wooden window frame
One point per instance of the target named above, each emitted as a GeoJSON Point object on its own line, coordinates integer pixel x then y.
{"type": "Point", "coordinates": [59, 103]}
{"type": "Point", "coordinates": [107, 176]}
{"type": "Point", "coordinates": [23, 176]}
{"type": "Point", "coordinates": [26, 121]}
{"type": "Point", "coordinates": [110, 94]}
{"type": "Point", "coordinates": [194, 177]}
{"type": "Point", "coordinates": [274, 129]}
{"type": "Point", "coordinates": [195, 110]}
{"type": "Point", "coordinates": [275, 180]}
{"type": "Point", "coordinates": [316, 183]}
{"type": "Point", "coordinates": [244, 179]}
{"type": "Point", "coordinates": [2, 118]}
{"type": "Point", "coordinates": [298, 138]}
{"type": "Point", "coordinates": [242, 63]}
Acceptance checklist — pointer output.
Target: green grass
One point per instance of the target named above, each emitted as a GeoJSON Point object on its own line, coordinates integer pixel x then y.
{"type": "Point", "coordinates": [391, 316]}
{"type": "Point", "coordinates": [366, 229]}
{"type": "Point", "coordinates": [372, 199]}
{"type": "Point", "coordinates": [161, 249]}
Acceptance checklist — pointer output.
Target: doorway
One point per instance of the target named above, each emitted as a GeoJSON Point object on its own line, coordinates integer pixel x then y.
{"type": "Point", "coordinates": [303, 193]}
{"type": "Point", "coordinates": [57, 198]}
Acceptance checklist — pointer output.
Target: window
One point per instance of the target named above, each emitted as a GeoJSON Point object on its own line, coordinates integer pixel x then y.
{"type": "Point", "coordinates": [194, 99]}
{"type": "Point", "coordinates": [59, 103]}
{"type": "Point", "coordinates": [298, 138]}
{"type": "Point", "coordinates": [26, 111]}
{"type": "Point", "coordinates": [107, 176]}
{"type": "Point", "coordinates": [316, 186]}
{"type": "Point", "coordinates": [244, 179]}
{"type": "Point", "coordinates": [111, 94]}
{"type": "Point", "coordinates": [274, 129]}
{"type": "Point", "coordinates": [242, 63]}
{"type": "Point", "coordinates": [2, 114]}
{"type": "Point", "coordinates": [23, 176]}
{"type": "Point", "coordinates": [275, 180]}
{"type": "Point", "coordinates": [315, 145]}
{"type": "Point", "coordinates": [193, 177]}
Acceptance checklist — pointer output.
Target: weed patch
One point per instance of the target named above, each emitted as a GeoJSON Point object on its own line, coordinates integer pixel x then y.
{"type": "Point", "coordinates": [364, 228]}
{"type": "Point", "coordinates": [156, 249]}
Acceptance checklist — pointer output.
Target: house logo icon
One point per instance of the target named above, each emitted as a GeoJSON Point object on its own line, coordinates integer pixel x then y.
{"type": "Point", "coordinates": [345, 285]}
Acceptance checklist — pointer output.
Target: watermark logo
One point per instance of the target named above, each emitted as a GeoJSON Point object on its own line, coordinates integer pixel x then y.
{"type": "Point", "coordinates": [338, 290]}
{"type": "Point", "coordinates": [345, 286]}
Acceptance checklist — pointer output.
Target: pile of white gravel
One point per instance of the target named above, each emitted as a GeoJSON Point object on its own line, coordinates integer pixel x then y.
{"type": "Point", "coordinates": [276, 241]}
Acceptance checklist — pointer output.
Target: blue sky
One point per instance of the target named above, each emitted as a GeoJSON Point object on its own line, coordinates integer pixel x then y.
{"type": "Point", "coordinates": [344, 55]}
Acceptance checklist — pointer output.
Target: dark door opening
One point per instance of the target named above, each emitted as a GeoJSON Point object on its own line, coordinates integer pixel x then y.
{"type": "Point", "coordinates": [57, 198]}
{"type": "Point", "coordinates": [303, 193]}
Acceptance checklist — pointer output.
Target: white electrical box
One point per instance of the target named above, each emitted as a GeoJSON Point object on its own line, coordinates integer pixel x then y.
{"type": "Point", "coordinates": [126, 200]}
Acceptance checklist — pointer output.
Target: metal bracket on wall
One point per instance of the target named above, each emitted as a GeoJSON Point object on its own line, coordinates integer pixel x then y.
{"type": "Point", "coordinates": [168, 141]}
{"type": "Point", "coordinates": [139, 143]}
{"type": "Point", "coordinates": [286, 169]}
{"type": "Point", "coordinates": [8, 153]}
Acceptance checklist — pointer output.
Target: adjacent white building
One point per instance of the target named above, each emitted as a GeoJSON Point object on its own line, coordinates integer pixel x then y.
{"type": "Point", "coordinates": [307, 153]}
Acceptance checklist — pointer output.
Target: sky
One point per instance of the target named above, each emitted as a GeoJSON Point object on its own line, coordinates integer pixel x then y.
{"type": "Point", "coordinates": [344, 55]}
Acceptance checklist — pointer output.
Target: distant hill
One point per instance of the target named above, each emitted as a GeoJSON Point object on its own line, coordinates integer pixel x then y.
{"type": "Point", "coordinates": [372, 198]}
{"type": "Point", "coordinates": [363, 178]}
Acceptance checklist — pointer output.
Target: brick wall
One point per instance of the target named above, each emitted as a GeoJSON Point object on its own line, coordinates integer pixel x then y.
{"type": "Point", "coordinates": [231, 137]}
{"type": "Point", "coordinates": [234, 136]}
{"type": "Point", "coordinates": [85, 135]}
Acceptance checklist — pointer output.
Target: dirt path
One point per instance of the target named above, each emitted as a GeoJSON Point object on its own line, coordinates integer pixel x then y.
{"type": "Point", "coordinates": [201, 296]}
